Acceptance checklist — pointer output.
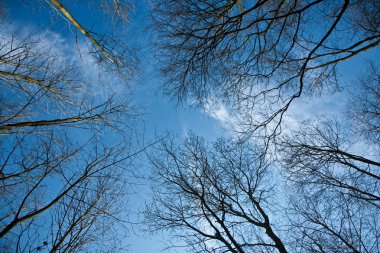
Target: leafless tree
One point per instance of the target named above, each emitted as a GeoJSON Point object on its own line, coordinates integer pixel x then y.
{"type": "Point", "coordinates": [79, 189]}
{"type": "Point", "coordinates": [333, 190]}
{"type": "Point", "coordinates": [215, 199]}
{"type": "Point", "coordinates": [335, 207]}
{"type": "Point", "coordinates": [257, 57]}
{"type": "Point", "coordinates": [64, 153]}
{"type": "Point", "coordinates": [363, 109]}
{"type": "Point", "coordinates": [320, 156]}
{"type": "Point", "coordinates": [220, 198]}
{"type": "Point", "coordinates": [335, 168]}
{"type": "Point", "coordinates": [39, 83]}
{"type": "Point", "coordinates": [330, 221]}
{"type": "Point", "coordinates": [33, 77]}
{"type": "Point", "coordinates": [109, 49]}
{"type": "Point", "coordinates": [90, 220]}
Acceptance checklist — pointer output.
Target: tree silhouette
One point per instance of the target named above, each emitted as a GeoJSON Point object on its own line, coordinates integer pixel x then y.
{"type": "Point", "coordinates": [257, 57]}
{"type": "Point", "coordinates": [215, 198]}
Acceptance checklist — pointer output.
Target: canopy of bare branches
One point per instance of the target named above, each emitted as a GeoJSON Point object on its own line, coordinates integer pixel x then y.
{"type": "Point", "coordinates": [289, 175]}
{"type": "Point", "coordinates": [258, 56]}
{"type": "Point", "coordinates": [65, 138]}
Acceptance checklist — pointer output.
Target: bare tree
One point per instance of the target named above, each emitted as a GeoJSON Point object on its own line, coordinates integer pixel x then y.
{"type": "Point", "coordinates": [215, 199]}
{"type": "Point", "coordinates": [109, 50]}
{"type": "Point", "coordinates": [221, 198]}
{"type": "Point", "coordinates": [33, 77]}
{"type": "Point", "coordinates": [330, 221]}
{"type": "Point", "coordinates": [335, 168]}
{"type": "Point", "coordinates": [335, 202]}
{"type": "Point", "coordinates": [65, 152]}
{"type": "Point", "coordinates": [206, 196]}
{"type": "Point", "coordinates": [320, 156]}
{"type": "Point", "coordinates": [77, 188]}
{"type": "Point", "coordinates": [258, 56]}
{"type": "Point", "coordinates": [89, 219]}
{"type": "Point", "coordinates": [363, 109]}
{"type": "Point", "coordinates": [39, 83]}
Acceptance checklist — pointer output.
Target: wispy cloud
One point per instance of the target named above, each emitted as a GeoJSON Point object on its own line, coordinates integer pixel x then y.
{"type": "Point", "coordinates": [97, 81]}
{"type": "Point", "coordinates": [219, 112]}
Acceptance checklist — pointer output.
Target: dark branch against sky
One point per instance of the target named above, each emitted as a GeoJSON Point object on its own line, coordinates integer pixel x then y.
{"type": "Point", "coordinates": [276, 104]}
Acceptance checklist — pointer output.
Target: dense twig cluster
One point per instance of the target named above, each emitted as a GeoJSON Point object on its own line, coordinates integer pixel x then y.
{"type": "Point", "coordinates": [62, 184]}
{"type": "Point", "coordinates": [257, 57]}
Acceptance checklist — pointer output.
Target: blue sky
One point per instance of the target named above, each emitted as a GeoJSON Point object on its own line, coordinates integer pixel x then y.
{"type": "Point", "coordinates": [158, 112]}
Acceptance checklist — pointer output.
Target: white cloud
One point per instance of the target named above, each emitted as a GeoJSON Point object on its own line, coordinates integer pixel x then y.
{"type": "Point", "coordinates": [219, 112]}
{"type": "Point", "coordinates": [98, 82]}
